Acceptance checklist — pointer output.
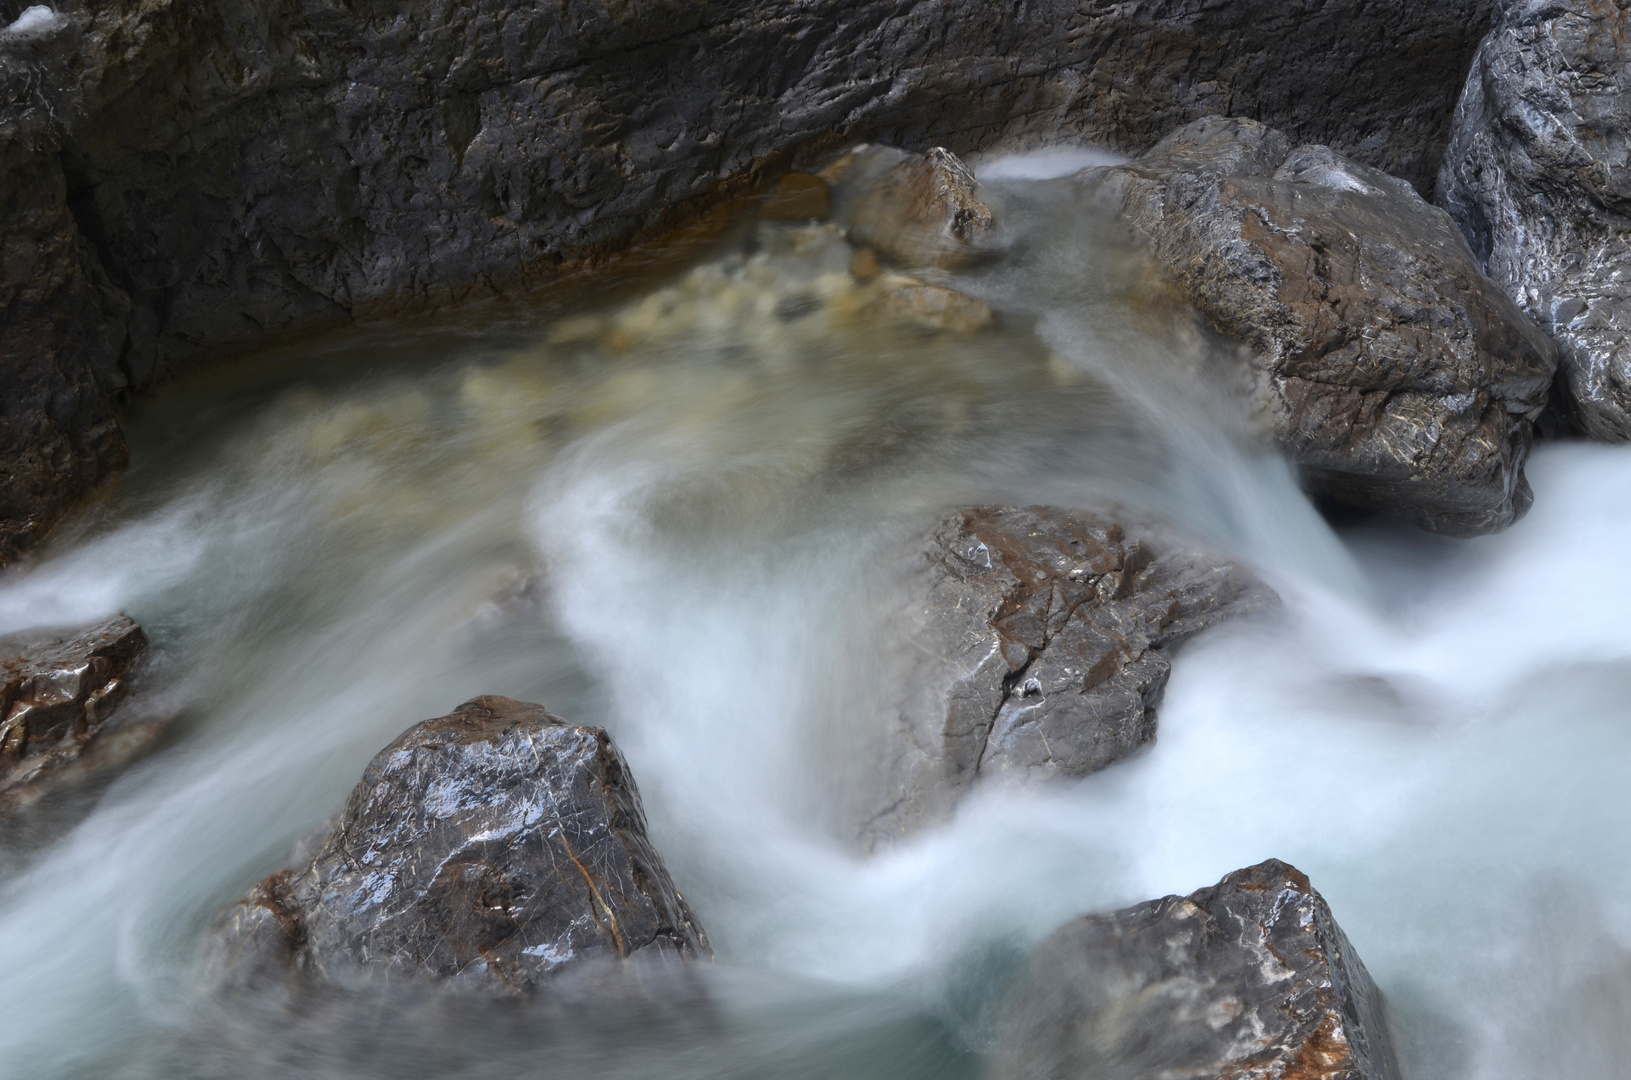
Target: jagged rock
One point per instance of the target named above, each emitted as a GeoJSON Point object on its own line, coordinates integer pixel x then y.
{"type": "Point", "coordinates": [494, 849]}
{"type": "Point", "coordinates": [58, 690]}
{"type": "Point", "coordinates": [1397, 376]}
{"type": "Point", "coordinates": [1538, 175]}
{"type": "Point", "coordinates": [1042, 639]}
{"type": "Point", "coordinates": [179, 177]}
{"type": "Point", "coordinates": [917, 209]}
{"type": "Point", "coordinates": [1251, 978]}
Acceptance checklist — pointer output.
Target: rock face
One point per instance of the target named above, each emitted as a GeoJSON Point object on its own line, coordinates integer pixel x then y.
{"type": "Point", "coordinates": [1397, 375]}
{"type": "Point", "coordinates": [1045, 639]}
{"type": "Point", "coordinates": [1538, 175]}
{"type": "Point", "coordinates": [178, 176]}
{"type": "Point", "coordinates": [1251, 978]}
{"type": "Point", "coordinates": [57, 692]}
{"type": "Point", "coordinates": [493, 849]}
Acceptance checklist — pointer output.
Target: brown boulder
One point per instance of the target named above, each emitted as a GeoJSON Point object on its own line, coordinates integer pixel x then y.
{"type": "Point", "coordinates": [58, 690]}
{"type": "Point", "coordinates": [493, 849]}
{"type": "Point", "coordinates": [1250, 979]}
{"type": "Point", "coordinates": [1395, 374]}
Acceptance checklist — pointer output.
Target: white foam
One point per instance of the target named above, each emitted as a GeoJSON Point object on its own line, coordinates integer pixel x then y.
{"type": "Point", "coordinates": [38, 19]}
{"type": "Point", "coordinates": [1045, 164]}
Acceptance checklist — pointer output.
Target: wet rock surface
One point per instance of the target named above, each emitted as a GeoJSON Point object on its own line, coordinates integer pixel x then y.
{"type": "Point", "coordinates": [1538, 175]}
{"type": "Point", "coordinates": [1249, 978]}
{"type": "Point", "coordinates": [493, 850]}
{"type": "Point", "coordinates": [1044, 639]}
{"type": "Point", "coordinates": [59, 690]}
{"type": "Point", "coordinates": [179, 178]}
{"type": "Point", "coordinates": [919, 210]}
{"type": "Point", "coordinates": [1394, 372]}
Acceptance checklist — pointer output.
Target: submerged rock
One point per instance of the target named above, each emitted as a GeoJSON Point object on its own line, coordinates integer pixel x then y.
{"type": "Point", "coordinates": [1250, 978]}
{"type": "Point", "coordinates": [1538, 175]}
{"type": "Point", "coordinates": [934, 307]}
{"type": "Point", "coordinates": [1042, 640]}
{"type": "Point", "coordinates": [1397, 376]}
{"type": "Point", "coordinates": [494, 849]}
{"type": "Point", "coordinates": [58, 693]}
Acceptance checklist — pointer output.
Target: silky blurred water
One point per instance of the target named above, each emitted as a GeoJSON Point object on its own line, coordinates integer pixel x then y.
{"type": "Point", "coordinates": [662, 515]}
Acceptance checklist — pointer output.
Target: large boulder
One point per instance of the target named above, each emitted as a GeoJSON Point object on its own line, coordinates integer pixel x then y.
{"type": "Point", "coordinates": [1538, 175]}
{"type": "Point", "coordinates": [1041, 641]}
{"type": "Point", "coordinates": [59, 690]}
{"type": "Point", "coordinates": [493, 849]}
{"type": "Point", "coordinates": [191, 176]}
{"type": "Point", "coordinates": [1395, 374]}
{"type": "Point", "coordinates": [1250, 978]}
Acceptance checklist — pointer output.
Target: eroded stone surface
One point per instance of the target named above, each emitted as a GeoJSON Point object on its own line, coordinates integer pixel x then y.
{"type": "Point", "coordinates": [1397, 376]}
{"type": "Point", "coordinates": [1043, 639]}
{"type": "Point", "coordinates": [491, 849]}
{"type": "Point", "coordinates": [1538, 175]}
{"type": "Point", "coordinates": [58, 690]}
{"type": "Point", "coordinates": [1251, 978]}
{"type": "Point", "coordinates": [178, 177]}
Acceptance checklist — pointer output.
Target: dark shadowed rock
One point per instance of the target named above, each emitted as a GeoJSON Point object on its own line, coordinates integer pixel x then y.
{"type": "Point", "coordinates": [1251, 979]}
{"type": "Point", "coordinates": [1538, 175]}
{"type": "Point", "coordinates": [179, 177]}
{"type": "Point", "coordinates": [492, 849]}
{"type": "Point", "coordinates": [1041, 639]}
{"type": "Point", "coordinates": [58, 690]}
{"type": "Point", "coordinates": [1397, 376]}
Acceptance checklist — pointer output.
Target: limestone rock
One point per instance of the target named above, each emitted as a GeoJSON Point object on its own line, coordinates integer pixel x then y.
{"type": "Point", "coordinates": [1044, 639]}
{"type": "Point", "coordinates": [920, 210]}
{"type": "Point", "coordinates": [58, 690]}
{"type": "Point", "coordinates": [179, 178]}
{"type": "Point", "coordinates": [1251, 978]}
{"type": "Point", "coordinates": [1538, 175]}
{"type": "Point", "coordinates": [491, 849]}
{"type": "Point", "coordinates": [1396, 375]}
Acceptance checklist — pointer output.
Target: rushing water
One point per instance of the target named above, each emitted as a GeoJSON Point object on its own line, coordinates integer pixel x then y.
{"type": "Point", "coordinates": [661, 514]}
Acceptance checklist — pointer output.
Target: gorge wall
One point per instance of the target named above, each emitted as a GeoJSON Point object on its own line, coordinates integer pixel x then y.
{"type": "Point", "coordinates": [183, 177]}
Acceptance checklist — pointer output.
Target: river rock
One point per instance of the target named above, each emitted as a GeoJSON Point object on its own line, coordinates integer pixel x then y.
{"type": "Point", "coordinates": [59, 690]}
{"type": "Point", "coordinates": [1538, 175]}
{"type": "Point", "coordinates": [1395, 374]}
{"type": "Point", "coordinates": [919, 210]}
{"type": "Point", "coordinates": [1250, 978]}
{"type": "Point", "coordinates": [180, 178]}
{"type": "Point", "coordinates": [1042, 641]}
{"type": "Point", "coordinates": [492, 849]}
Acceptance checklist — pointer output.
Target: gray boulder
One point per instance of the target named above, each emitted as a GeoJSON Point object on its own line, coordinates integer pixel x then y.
{"type": "Point", "coordinates": [183, 178]}
{"type": "Point", "coordinates": [1396, 375]}
{"type": "Point", "coordinates": [492, 849]}
{"type": "Point", "coordinates": [1250, 978]}
{"type": "Point", "coordinates": [59, 690]}
{"type": "Point", "coordinates": [1041, 641]}
{"type": "Point", "coordinates": [1538, 176]}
